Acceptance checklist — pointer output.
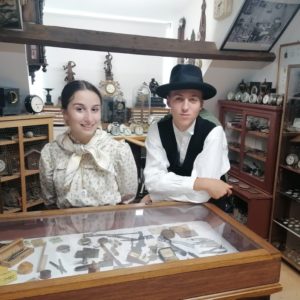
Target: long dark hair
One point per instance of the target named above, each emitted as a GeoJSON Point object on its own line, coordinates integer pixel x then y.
{"type": "Point", "coordinates": [74, 86]}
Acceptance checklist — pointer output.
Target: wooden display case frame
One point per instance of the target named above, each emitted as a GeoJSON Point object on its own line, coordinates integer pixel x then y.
{"type": "Point", "coordinates": [286, 206]}
{"type": "Point", "coordinates": [19, 122]}
{"type": "Point", "coordinates": [251, 273]}
{"type": "Point", "coordinates": [270, 112]}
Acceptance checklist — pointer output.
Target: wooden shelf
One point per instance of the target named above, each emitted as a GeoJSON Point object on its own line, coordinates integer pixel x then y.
{"type": "Point", "coordinates": [286, 228]}
{"type": "Point", "coordinates": [41, 126]}
{"type": "Point", "coordinates": [291, 262]}
{"type": "Point", "coordinates": [258, 133]}
{"type": "Point", "coordinates": [291, 169]}
{"type": "Point", "coordinates": [12, 210]}
{"type": "Point", "coordinates": [289, 196]}
{"type": "Point", "coordinates": [258, 157]}
{"type": "Point", "coordinates": [31, 172]}
{"type": "Point", "coordinates": [234, 148]}
{"type": "Point", "coordinates": [234, 128]}
{"type": "Point", "coordinates": [36, 138]}
{"type": "Point", "coordinates": [10, 177]}
{"type": "Point", "coordinates": [8, 142]}
{"type": "Point", "coordinates": [32, 203]}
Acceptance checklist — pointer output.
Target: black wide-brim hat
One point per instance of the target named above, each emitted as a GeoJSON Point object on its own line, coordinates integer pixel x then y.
{"type": "Point", "coordinates": [186, 77]}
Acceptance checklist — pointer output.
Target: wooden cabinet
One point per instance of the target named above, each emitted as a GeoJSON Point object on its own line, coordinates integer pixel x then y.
{"type": "Point", "coordinates": [286, 213]}
{"type": "Point", "coordinates": [214, 257]}
{"type": "Point", "coordinates": [252, 132]}
{"type": "Point", "coordinates": [21, 140]}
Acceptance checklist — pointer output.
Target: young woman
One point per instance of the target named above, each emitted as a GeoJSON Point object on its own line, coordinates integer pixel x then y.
{"type": "Point", "coordinates": [84, 166]}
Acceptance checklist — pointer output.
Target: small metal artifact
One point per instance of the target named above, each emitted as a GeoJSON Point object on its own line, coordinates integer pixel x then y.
{"type": "Point", "coordinates": [45, 274]}
{"type": "Point", "coordinates": [63, 248]}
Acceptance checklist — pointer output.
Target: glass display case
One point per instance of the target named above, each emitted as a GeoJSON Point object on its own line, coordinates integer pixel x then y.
{"type": "Point", "coordinates": [252, 132]}
{"type": "Point", "coordinates": [286, 214]}
{"type": "Point", "coordinates": [159, 251]}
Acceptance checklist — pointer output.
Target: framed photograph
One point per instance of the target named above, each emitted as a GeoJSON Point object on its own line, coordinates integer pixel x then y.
{"type": "Point", "coordinates": [289, 54]}
{"type": "Point", "coordinates": [259, 24]}
{"type": "Point", "coordinates": [10, 14]}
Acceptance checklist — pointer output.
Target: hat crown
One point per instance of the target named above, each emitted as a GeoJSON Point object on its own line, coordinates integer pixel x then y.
{"type": "Point", "coordinates": [186, 77]}
{"type": "Point", "coordinates": [186, 73]}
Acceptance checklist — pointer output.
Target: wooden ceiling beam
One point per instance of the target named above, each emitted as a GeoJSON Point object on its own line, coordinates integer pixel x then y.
{"type": "Point", "coordinates": [64, 37]}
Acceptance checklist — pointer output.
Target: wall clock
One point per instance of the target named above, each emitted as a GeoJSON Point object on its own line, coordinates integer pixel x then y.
{"type": "Point", "coordinates": [222, 9]}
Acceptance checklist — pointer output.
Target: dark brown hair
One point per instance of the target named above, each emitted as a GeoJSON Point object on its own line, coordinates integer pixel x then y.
{"type": "Point", "coordinates": [74, 86]}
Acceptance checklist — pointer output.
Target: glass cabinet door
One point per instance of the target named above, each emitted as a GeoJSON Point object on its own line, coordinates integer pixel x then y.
{"type": "Point", "coordinates": [255, 146]}
{"type": "Point", "coordinates": [233, 130]}
{"type": "Point", "coordinates": [286, 216]}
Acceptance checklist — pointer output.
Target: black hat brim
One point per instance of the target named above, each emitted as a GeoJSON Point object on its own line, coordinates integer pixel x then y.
{"type": "Point", "coordinates": [208, 91]}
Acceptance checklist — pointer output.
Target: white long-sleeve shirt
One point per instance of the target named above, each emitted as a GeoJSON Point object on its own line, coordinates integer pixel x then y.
{"type": "Point", "coordinates": [212, 162]}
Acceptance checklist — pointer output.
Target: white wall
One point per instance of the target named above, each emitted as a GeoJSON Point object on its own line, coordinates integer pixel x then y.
{"type": "Point", "coordinates": [129, 70]}
{"type": "Point", "coordinates": [13, 70]}
{"type": "Point", "coordinates": [132, 70]}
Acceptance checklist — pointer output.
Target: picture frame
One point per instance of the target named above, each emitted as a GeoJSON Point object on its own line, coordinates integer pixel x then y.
{"type": "Point", "coordinates": [259, 25]}
{"type": "Point", "coordinates": [11, 14]}
{"type": "Point", "coordinates": [289, 54]}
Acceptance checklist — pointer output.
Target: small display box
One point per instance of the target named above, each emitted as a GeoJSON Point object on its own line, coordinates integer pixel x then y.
{"type": "Point", "coordinates": [159, 251]}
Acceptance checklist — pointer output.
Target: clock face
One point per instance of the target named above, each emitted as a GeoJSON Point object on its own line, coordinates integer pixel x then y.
{"type": "Point", "coordinates": [139, 130]}
{"type": "Point", "coordinates": [253, 98]}
{"type": "Point", "coordinates": [292, 159]}
{"type": "Point", "coordinates": [238, 96]}
{"type": "Point", "coordinates": [266, 99]}
{"type": "Point", "coordinates": [37, 104]}
{"type": "Point", "coordinates": [34, 104]}
{"type": "Point", "coordinates": [245, 97]}
{"type": "Point", "coordinates": [110, 88]}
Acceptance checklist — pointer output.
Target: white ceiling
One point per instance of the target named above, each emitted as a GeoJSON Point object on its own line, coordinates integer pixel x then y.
{"type": "Point", "coordinates": [163, 10]}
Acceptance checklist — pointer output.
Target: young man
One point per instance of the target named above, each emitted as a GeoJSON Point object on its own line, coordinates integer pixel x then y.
{"type": "Point", "coordinates": [186, 155]}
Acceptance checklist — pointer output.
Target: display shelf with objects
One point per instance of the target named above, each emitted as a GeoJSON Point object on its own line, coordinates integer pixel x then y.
{"type": "Point", "coordinates": [21, 139]}
{"type": "Point", "coordinates": [285, 234]}
{"type": "Point", "coordinates": [252, 132]}
{"type": "Point", "coordinates": [164, 250]}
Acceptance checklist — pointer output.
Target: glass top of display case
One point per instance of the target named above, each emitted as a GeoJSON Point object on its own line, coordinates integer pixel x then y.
{"type": "Point", "coordinates": [53, 246]}
{"type": "Point", "coordinates": [164, 250]}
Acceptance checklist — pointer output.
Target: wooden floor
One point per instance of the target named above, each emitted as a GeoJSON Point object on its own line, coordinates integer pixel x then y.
{"type": "Point", "coordinates": [290, 280]}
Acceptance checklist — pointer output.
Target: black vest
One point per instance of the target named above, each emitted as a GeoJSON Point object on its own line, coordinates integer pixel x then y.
{"type": "Point", "coordinates": [168, 140]}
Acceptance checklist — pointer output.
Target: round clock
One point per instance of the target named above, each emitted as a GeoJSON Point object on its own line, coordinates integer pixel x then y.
{"type": "Point", "coordinates": [245, 97]}
{"type": "Point", "coordinates": [34, 104]}
{"type": "Point", "coordinates": [110, 88]}
{"type": "Point", "coordinates": [259, 99]}
{"type": "Point", "coordinates": [266, 99]}
{"type": "Point", "coordinates": [139, 130]}
{"type": "Point", "coordinates": [127, 131]}
{"type": "Point", "coordinates": [115, 130]}
{"type": "Point", "coordinates": [238, 96]}
{"type": "Point", "coordinates": [253, 98]}
{"type": "Point", "coordinates": [292, 159]}
{"type": "Point", "coordinates": [279, 100]}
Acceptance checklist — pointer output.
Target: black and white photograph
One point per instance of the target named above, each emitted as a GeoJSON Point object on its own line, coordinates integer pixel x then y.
{"type": "Point", "coordinates": [10, 14]}
{"type": "Point", "coordinates": [259, 24]}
